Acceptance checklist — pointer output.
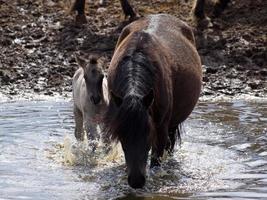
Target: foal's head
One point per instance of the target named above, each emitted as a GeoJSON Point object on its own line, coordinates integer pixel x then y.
{"type": "Point", "coordinates": [93, 76]}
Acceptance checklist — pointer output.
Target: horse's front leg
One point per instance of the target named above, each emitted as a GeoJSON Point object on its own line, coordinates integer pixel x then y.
{"type": "Point", "coordinates": [127, 9]}
{"type": "Point", "coordinates": [159, 146]}
{"type": "Point", "coordinates": [79, 131]}
{"type": "Point", "coordinates": [79, 6]}
{"type": "Point", "coordinates": [219, 7]}
{"type": "Point", "coordinates": [199, 13]}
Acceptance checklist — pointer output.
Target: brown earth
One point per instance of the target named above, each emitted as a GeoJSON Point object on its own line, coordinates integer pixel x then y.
{"type": "Point", "coordinates": [38, 41]}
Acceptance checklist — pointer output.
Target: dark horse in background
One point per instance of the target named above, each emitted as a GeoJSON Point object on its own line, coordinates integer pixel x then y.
{"type": "Point", "coordinates": [79, 6]}
{"type": "Point", "coordinates": [198, 10]}
{"type": "Point", "coordinates": [154, 82]}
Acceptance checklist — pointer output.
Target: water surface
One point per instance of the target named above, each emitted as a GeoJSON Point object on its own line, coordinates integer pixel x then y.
{"type": "Point", "coordinates": [223, 155]}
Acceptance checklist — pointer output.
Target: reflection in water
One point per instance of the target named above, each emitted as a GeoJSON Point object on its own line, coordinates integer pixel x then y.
{"type": "Point", "coordinates": [223, 154]}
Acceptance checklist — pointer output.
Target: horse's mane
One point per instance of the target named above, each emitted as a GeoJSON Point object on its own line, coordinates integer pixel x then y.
{"type": "Point", "coordinates": [136, 70]}
{"type": "Point", "coordinates": [135, 77]}
{"type": "Point", "coordinates": [130, 120]}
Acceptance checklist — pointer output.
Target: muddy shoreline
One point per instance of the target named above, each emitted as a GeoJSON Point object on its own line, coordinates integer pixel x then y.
{"type": "Point", "coordinates": [38, 41]}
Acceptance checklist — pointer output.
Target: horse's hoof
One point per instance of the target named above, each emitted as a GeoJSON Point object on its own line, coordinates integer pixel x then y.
{"type": "Point", "coordinates": [81, 19]}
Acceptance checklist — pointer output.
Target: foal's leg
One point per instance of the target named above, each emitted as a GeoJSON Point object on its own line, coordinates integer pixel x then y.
{"type": "Point", "coordinates": [91, 131]}
{"type": "Point", "coordinates": [158, 150]}
{"type": "Point", "coordinates": [127, 9]}
{"type": "Point", "coordinates": [79, 132]}
{"type": "Point", "coordinates": [219, 7]}
{"type": "Point", "coordinates": [79, 6]}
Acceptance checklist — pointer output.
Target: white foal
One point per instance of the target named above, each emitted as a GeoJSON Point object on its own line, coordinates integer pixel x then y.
{"type": "Point", "coordinates": [90, 96]}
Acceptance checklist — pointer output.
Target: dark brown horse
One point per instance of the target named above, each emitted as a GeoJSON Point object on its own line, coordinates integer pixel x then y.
{"type": "Point", "coordinates": [154, 82]}
{"type": "Point", "coordinates": [79, 5]}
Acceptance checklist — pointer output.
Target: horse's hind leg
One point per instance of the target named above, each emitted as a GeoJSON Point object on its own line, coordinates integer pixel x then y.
{"type": "Point", "coordinates": [79, 6]}
{"type": "Point", "coordinates": [79, 132]}
{"type": "Point", "coordinates": [219, 7]}
{"type": "Point", "coordinates": [127, 9]}
{"type": "Point", "coordinates": [158, 150]}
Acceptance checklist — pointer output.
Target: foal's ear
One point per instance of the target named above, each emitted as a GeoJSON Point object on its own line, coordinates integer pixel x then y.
{"type": "Point", "coordinates": [148, 99]}
{"type": "Point", "coordinates": [81, 61]}
{"type": "Point", "coordinates": [117, 100]}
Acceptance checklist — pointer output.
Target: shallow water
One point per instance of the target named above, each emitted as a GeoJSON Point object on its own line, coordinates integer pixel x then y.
{"type": "Point", "coordinates": [223, 155]}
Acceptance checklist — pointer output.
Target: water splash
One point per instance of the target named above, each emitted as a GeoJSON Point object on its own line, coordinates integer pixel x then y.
{"type": "Point", "coordinates": [85, 153]}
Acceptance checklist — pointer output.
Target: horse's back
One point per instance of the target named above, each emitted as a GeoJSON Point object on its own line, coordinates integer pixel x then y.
{"type": "Point", "coordinates": [175, 39]}
{"type": "Point", "coordinates": [177, 36]}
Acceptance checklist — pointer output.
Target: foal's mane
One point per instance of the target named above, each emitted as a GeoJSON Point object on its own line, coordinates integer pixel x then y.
{"type": "Point", "coordinates": [134, 78]}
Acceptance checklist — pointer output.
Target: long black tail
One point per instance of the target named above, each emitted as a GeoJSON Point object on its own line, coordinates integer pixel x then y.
{"type": "Point", "coordinates": [174, 136]}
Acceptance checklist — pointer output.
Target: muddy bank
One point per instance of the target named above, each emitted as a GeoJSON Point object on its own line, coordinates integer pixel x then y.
{"type": "Point", "coordinates": [38, 41]}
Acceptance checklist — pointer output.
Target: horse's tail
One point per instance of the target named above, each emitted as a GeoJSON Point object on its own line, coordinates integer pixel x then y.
{"type": "Point", "coordinates": [174, 137]}
{"type": "Point", "coordinates": [180, 131]}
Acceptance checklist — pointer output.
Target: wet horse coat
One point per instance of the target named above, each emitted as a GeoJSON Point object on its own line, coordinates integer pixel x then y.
{"type": "Point", "coordinates": [154, 81]}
